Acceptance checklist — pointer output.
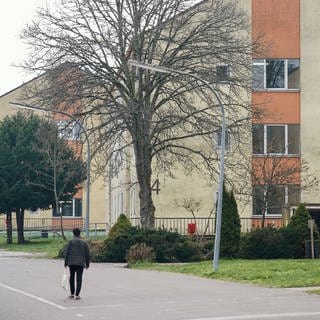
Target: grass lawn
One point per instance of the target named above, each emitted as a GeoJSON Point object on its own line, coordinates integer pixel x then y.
{"type": "Point", "coordinates": [268, 273]}
{"type": "Point", "coordinates": [49, 246]}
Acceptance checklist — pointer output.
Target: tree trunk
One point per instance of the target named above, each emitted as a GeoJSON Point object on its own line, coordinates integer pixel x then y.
{"type": "Point", "coordinates": [20, 225]}
{"type": "Point", "coordinates": [59, 212]}
{"type": "Point", "coordinates": [9, 227]}
{"type": "Point", "coordinates": [147, 208]}
{"type": "Point", "coordinates": [143, 169]}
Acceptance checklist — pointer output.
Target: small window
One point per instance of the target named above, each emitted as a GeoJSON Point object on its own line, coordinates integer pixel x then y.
{"type": "Point", "coordinates": [222, 73]}
{"type": "Point", "coordinates": [68, 208]}
{"type": "Point", "coordinates": [275, 74]}
{"type": "Point", "coordinates": [227, 139]}
{"type": "Point", "coordinates": [276, 139]}
{"type": "Point", "coordinates": [68, 130]}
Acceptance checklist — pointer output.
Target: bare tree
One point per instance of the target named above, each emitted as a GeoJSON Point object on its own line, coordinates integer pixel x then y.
{"type": "Point", "coordinates": [271, 176]}
{"type": "Point", "coordinates": [84, 46]}
{"type": "Point", "coordinates": [64, 170]}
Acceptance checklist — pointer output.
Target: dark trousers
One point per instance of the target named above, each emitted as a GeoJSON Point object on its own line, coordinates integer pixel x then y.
{"type": "Point", "coordinates": [75, 271]}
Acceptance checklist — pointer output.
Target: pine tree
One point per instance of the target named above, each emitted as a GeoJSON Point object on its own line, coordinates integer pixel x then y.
{"type": "Point", "coordinates": [230, 226]}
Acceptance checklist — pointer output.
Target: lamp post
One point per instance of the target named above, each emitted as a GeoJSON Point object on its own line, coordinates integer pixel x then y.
{"type": "Point", "coordinates": [161, 69]}
{"type": "Point", "coordinates": [34, 108]}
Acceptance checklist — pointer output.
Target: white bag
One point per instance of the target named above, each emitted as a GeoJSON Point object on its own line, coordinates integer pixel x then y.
{"type": "Point", "coordinates": [64, 280]}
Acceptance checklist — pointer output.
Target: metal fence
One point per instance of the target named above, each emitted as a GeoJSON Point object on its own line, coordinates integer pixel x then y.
{"type": "Point", "coordinates": [206, 226]}
{"type": "Point", "coordinates": [182, 225]}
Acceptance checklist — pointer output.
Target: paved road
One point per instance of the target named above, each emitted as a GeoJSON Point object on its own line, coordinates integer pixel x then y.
{"type": "Point", "coordinates": [30, 290]}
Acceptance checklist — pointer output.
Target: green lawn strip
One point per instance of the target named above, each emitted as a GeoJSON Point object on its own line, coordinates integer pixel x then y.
{"type": "Point", "coordinates": [268, 273]}
{"type": "Point", "coordinates": [49, 246]}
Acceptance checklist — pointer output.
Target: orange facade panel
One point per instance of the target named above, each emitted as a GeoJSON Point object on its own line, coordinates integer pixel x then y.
{"type": "Point", "coordinates": [276, 107]}
{"type": "Point", "coordinates": [276, 170]}
{"type": "Point", "coordinates": [278, 23]}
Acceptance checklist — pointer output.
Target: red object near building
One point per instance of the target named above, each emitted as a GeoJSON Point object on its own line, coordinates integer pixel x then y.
{"type": "Point", "coordinates": [192, 228]}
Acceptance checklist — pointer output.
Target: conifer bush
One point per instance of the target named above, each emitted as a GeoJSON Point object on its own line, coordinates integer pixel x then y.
{"type": "Point", "coordinates": [230, 226]}
{"type": "Point", "coordinates": [299, 230]}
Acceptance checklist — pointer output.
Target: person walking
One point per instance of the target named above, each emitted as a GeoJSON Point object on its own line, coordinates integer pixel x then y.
{"type": "Point", "coordinates": [77, 257]}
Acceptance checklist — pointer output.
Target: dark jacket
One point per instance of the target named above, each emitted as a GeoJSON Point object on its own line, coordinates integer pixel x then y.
{"type": "Point", "coordinates": [77, 253]}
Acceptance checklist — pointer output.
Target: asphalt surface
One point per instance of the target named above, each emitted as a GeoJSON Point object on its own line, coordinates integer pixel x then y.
{"type": "Point", "coordinates": [30, 289]}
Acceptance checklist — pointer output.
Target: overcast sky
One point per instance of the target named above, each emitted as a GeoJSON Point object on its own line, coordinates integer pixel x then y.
{"type": "Point", "coordinates": [14, 15]}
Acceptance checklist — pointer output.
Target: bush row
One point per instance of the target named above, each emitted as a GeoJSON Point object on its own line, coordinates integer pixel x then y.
{"type": "Point", "coordinates": [127, 243]}
{"type": "Point", "coordinates": [273, 243]}
{"type": "Point", "coordinates": [154, 245]}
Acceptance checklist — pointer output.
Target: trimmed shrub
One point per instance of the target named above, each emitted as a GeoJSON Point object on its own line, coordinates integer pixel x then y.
{"type": "Point", "coordinates": [168, 246]}
{"type": "Point", "coordinates": [186, 251]}
{"type": "Point", "coordinates": [266, 243]}
{"type": "Point", "coordinates": [140, 252]}
{"type": "Point", "coordinates": [122, 224]}
{"type": "Point", "coordinates": [115, 248]}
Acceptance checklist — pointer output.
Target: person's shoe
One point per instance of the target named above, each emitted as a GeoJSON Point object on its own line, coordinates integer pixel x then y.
{"type": "Point", "coordinates": [71, 296]}
{"type": "Point", "coordinates": [77, 298]}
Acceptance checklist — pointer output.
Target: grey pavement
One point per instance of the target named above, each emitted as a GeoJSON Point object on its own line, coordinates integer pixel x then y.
{"type": "Point", "coordinates": [30, 289]}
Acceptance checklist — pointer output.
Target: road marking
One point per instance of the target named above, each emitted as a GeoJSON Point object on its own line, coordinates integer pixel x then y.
{"type": "Point", "coordinates": [263, 316]}
{"type": "Point", "coordinates": [32, 296]}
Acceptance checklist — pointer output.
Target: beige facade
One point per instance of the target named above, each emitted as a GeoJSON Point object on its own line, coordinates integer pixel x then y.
{"type": "Point", "coordinates": [310, 93]}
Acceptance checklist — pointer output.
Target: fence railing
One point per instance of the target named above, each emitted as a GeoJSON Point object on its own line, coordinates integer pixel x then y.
{"type": "Point", "coordinates": [202, 225]}
{"type": "Point", "coordinates": [39, 224]}
{"type": "Point", "coordinates": [206, 226]}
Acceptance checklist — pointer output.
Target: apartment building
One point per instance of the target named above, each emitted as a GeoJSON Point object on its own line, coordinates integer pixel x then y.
{"type": "Point", "coordinates": [285, 155]}
{"type": "Point", "coordinates": [285, 149]}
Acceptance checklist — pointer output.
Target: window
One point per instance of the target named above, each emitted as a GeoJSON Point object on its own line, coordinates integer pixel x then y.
{"type": "Point", "coordinates": [276, 74]}
{"type": "Point", "coordinates": [271, 199]}
{"type": "Point", "coordinates": [69, 130]}
{"type": "Point", "coordinates": [276, 139]}
{"type": "Point", "coordinates": [71, 208]}
{"type": "Point", "coordinates": [222, 73]}
{"type": "Point", "coordinates": [227, 139]}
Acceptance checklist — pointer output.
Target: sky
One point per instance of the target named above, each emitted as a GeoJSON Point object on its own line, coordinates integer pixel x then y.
{"type": "Point", "coordinates": [14, 15]}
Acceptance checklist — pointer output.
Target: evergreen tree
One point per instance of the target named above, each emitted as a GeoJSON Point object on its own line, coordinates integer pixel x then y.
{"type": "Point", "coordinates": [299, 230]}
{"type": "Point", "coordinates": [230, 226]}
{"type": "Point", "coordinates": [25, 168]}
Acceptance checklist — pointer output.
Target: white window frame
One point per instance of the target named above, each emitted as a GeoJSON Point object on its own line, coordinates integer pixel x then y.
{"type": "Point", "coordinates": [286, 202]}
{"type": "Point", "coordinates": [73, 201]}
{"type": "Point", "coordinates": [264, 64]}
{"type": "Point", "coordinates": [265, 140]}
{"type": "Point", "coordinates": [68, 130]}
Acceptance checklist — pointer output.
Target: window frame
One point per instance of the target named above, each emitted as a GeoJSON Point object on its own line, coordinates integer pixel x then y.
{"type": "Point", "coordinates": [68, 130]}
{"type": "Point", "coordinates": [266, 140]}
{"type": "Point", "coordinates": [227, 139]}
{"type": "Point", "coordinates": [263, 62]}
{"type": "Point", "coordinates": [227, 77]}
{"type": "Point", "coordinates": [74, 206]}
{"type": "Point", "coordinates": [285, 203]}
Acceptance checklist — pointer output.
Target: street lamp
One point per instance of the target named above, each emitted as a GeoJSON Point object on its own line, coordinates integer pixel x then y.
{"type": "Point", "coordinates": [161, 69]}
{"type": "Point", "coordinates": [34, 108]}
